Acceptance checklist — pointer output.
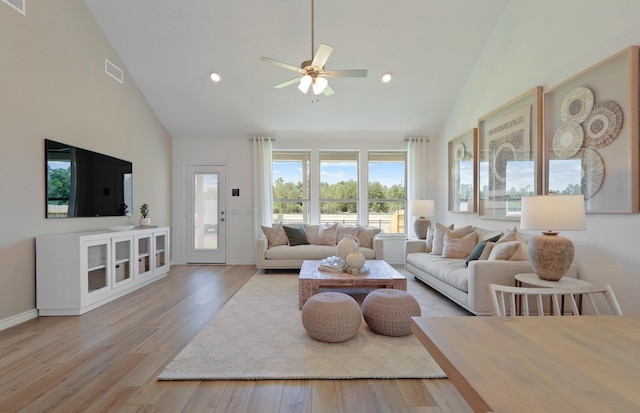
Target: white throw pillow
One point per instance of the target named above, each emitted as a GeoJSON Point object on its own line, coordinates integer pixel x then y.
{"type": "Point", "coordinates": [327, 235]}
{"type": "Point", "coordinates": [438, 238]}
{"type": "Point", "coordinates": [429, 241]}
{"type": "Point", "coordinates": [459, 247]}
{"type": "Point", "coordinates": [504, 250]}
{"type": "Point", "coordinates": [486, 251]}
{"type": "Point", "coordinates": [515, 235]}
{"type": "Point", "coordinates": [275, 236]}
{"type": "Point", "coordinates": [366, 236]}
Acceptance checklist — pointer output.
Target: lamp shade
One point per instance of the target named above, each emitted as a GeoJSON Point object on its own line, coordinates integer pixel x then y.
{"type": "Point", "coordinates": [423, 207]}
{"type": "Point", "coordinates": [553, 213]}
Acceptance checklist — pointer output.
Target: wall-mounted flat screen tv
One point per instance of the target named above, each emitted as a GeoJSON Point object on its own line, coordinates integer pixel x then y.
{"type": "Point", "coordinates": [83, 183]}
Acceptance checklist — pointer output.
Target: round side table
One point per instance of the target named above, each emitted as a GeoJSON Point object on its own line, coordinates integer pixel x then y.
{"type": "Point", "coordinates": [532, 279]}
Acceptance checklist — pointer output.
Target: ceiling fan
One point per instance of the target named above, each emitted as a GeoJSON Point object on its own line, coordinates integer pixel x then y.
{"type": "Point", "coordinates": [313, 73]}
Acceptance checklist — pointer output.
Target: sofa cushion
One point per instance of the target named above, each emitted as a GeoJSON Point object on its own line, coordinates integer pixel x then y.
{"type": "Point", "coordinates": [327, 235]}
{"type": "Point", "coordinates": [459, 247]}
{"type": "Point", "coordinates": [366, 236]}
{"type": "Point", "coordinates": [296, 235]}
{"type": "Point", "coordinates": [309, 252]}
{"type": "Point", "coordinates": [275, 236]}
{"type": "Point", "coordinates": [504, 250]}
{"type": "Point", "coordinates": [477, 250]}
{"type": "Point", "coordinates": [450, 270]}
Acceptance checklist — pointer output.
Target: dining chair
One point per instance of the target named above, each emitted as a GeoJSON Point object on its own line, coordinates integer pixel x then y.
{"type": "Point", "coordinates": [516, 300]}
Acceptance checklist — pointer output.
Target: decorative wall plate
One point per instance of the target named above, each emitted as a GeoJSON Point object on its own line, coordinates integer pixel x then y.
{"type": "Point", "coordinates": [603, 124]}
{"type": "Point", "coordinates": [592, 171]}
{"type": "Point", "coordinates": [568, 139]}
{"type": "Point", "coordinates": [577, 105]}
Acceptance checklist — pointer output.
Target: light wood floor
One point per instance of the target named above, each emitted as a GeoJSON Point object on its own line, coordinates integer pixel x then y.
{"type": "Point", "coordinates": [107, 361]}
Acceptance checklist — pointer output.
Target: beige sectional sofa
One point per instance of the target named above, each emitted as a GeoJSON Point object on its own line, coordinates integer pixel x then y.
{"type": "Point", "coordinates": [274, 252]}
{"type": "Point", "coordinates": [466, 284]}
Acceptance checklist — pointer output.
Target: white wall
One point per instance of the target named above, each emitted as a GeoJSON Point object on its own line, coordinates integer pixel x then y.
{"type": "Point", "coordinates": [53, 86]}
{"type": "Point", "coordinates": [544, 42]}
{"type": "Point", "coordinates": [236, 155]}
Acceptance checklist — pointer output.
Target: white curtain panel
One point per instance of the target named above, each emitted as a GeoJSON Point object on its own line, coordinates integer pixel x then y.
{"type": "Point", "coordinates": [417, 149]}
{"type": "Point", "coordinates": [262, 182]}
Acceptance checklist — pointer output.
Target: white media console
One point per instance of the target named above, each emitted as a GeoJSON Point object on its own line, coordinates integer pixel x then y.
{"type": "Point", "coordinates": [80, 271]}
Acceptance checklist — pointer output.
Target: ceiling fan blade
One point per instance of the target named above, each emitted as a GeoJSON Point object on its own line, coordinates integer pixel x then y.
{"type": "Point", "coordinates": [328, 91]}
{"type": "Point", "coordinates": [287, 83]}
{"type": "Point", "coordinates": [323, 53]}
{"type": "Point", "coordinates": [284, 65]}
{"type": "Point", "coordinates": [345, 73]}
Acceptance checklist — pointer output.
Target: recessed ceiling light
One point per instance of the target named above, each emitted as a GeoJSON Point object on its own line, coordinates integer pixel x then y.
{"type": "Point", "coordinates": [215, 77]}
{"type": "Point", "coordinates": [386, 77]}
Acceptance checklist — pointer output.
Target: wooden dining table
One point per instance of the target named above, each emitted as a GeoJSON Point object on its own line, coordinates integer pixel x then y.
{"type": "Point", "coordinates": [538, 364]}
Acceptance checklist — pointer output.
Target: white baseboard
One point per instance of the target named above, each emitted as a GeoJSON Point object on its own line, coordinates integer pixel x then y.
{"type": "Point", "coordinates": [18, 318]}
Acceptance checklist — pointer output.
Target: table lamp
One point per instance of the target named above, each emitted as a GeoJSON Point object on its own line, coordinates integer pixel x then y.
{"type": "Point", "coordinates": [550, 254]}
{"type": "Point", "coordinates": [422, 208]}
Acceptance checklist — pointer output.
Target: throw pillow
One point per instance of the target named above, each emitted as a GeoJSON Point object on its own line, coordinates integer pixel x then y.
{"type": "Point", "coordinates": [327, 235]}
{"type": "Point", "coordinates": [275, 236]}
{"type": "Point", "coordinates": [477, 251]}
{"type": "Point", "coordinates": [346, 230]}
{"type": "Point", "coordinates": [311, 232]}
{"type": "Point", "coordinates": [459, 247]}
{"type": "Point", "coordinates": [366, 236]}
{"type": "Point", "coordinates": [438, 238]}
{"type": "Point", "coordinates": [430, 232]}
{"type": "Point", "coordinates": [504, 250]}
{"type": "Point", "coordinates": [296, 235]}
{"type": "Point", "coordinates": [486, 251]}
{"type": "Point", "coordinates": [514, 235]}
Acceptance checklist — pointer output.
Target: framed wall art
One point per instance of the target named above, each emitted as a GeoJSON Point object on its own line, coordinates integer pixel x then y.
{"type": "Point", "coordinates": [509, 156]}
{"type": "Point", "coordinates": [591, 135]}
{"type": "Point", "coordinates": [463, 155]}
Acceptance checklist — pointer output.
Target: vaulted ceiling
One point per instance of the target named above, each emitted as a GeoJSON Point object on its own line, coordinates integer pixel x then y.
{"type": "Point", "coordinates": [169, 48]}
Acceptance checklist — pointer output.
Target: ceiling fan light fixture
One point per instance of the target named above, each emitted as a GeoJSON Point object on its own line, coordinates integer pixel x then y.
{"type": "Point", "coordinates": [319, 84]}
{"type": "Point", "coordinates": [305, 82]}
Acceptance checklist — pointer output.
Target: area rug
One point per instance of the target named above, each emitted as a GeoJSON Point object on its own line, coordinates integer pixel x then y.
{"type": "Point", "coordinates": [258, 334]}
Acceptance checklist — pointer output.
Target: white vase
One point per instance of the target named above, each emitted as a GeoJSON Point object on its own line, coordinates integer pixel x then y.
{"type": "Point", "coordinates": [346, 246]}
{"type": "Point", "coordinates": [145, 222]}
{"type": "Point", "coordinates": [355, 260]}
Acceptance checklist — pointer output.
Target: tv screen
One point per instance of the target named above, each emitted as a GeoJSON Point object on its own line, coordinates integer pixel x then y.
{"type": "Point", "coordinates": [83, 183]}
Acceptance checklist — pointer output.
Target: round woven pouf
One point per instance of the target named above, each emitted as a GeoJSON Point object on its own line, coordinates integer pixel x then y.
{"type": "Point", "coordinates": [389, 311]}
{"type": "Point", "coordinates": [331, 317]}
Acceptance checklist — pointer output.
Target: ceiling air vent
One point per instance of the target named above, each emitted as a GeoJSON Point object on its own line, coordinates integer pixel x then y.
{"type": "Point", "coordinates": [113, 71]}
{"type": "Point", "coordinates": [19, 5]}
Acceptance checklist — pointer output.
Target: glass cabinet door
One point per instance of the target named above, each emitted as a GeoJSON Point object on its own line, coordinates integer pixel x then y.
{"type": "Point", "coordinates": [97, 266]}
{"type": "Point", "coordinates": [143, 255]}
{"type": "Point", "coordinates": [122, 260]}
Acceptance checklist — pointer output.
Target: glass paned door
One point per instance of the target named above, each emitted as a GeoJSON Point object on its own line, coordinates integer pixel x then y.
{"type": "Point", "coordinates": [207, 218]}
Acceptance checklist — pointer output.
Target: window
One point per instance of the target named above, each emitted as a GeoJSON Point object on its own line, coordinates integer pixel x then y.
{"type": "Point", "coordinates": [290, 172]}
{"type": "Point", "coordinates": [386, 191]}
{"type": "Point", "coordinates": [339, 187]}
{"type": "Point", "coordinates": [348, 187]}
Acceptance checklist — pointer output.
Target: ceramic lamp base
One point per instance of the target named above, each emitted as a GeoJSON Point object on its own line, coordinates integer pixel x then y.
{"type": "Point", "coordinates": [420, 226]}
{"type": "Point", "coordinates": [550, 256]}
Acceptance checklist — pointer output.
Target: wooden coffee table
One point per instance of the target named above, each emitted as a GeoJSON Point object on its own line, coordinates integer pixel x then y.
{"type": "Point", "coordinates": [381, 275]}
